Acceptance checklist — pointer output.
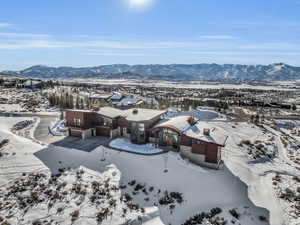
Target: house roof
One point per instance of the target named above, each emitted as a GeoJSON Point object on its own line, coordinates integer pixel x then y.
{"type": "Point", "coordinates": [142, 114]}
{"type": "Point", "coordinates": [128, 101]}
{"type": "Point", "coordinates": [216, 135]}
{"type": "Point", "coordinates": [110, 112]}
{"type": "Point", "coordinates": [182, 125]}
{"type": "Point", "coordinates": [178, 123]}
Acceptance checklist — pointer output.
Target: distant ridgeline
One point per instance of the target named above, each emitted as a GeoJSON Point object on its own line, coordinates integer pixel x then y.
{"type": "Point", "coordinates": [208, 72]}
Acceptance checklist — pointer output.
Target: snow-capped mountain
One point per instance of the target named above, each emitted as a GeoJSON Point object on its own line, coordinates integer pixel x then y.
{"type": "Point", "coordinates": [278, 71]}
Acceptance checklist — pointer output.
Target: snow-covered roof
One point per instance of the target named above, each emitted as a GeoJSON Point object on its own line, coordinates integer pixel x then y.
{"type": "Point", "coordinates": [110, 112]}
{"type": "Point", "coordinates": [138, 115]}
{"type": "Point", "coordinates": [116, 96]}
{"type": "Point", "coordinates": [128, 101]}
{"type": "Point", "coordinates": [101, 96]}
{"type": "Point", "coordinates": [182, 125]}
{"type": "Point", "coordinates": [178, 123]}
{"type": "Point", "coordinates": [215, 136]}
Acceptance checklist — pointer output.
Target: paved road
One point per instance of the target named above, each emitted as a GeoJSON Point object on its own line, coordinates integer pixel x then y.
{"type": "Point", "coordinates": [41, 133]}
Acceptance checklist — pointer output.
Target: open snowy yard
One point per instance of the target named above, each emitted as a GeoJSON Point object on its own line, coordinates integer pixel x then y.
{"type": "Point", "coordinates": [126, 145]}
{"type": "Point", "coordinates": [141, 179]}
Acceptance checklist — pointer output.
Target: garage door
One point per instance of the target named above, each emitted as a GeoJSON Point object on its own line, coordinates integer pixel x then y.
{"type": "Point", "coordinates": [75, 133]}
{"type": "Point", "coordinates": [103, 131]}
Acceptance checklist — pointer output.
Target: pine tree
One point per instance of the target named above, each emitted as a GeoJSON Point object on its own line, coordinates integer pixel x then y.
{"type": "Point", "coordinates": [77, 102]}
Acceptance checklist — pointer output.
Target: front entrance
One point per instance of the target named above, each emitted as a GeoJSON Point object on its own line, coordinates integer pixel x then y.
{"type": "Point", "coordinates": [93, 132]}
{"type": "Point", "coordinates": [169, 138]}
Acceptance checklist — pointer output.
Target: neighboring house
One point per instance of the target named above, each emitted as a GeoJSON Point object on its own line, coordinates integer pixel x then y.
{"type": "Point", "coordinates": [116, 97]}
{"type": "Point", "coordinates": [199, 141]}
{"type": "Point", "coordinates": [128, 103]}
{"type": "Point", "coordinates": [135, 124]}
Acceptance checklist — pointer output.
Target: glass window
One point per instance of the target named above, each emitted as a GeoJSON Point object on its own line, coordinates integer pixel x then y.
{"type": "Point", "coordinates": [77, 122]}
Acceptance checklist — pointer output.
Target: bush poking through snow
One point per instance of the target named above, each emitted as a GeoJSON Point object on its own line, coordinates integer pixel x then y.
{"type": "Point", "coordinates": [65, 189]}
{"type": "Point", "coordinates": [3, 143]}
{"type": "Point", "coordinates": [22, 124]}
{"type": "Point", "coordinates": [170, 198]}
{"type": "Point", "coordinates": [234, 213]}
{"type": "Point", "coordinates": [207, 218]}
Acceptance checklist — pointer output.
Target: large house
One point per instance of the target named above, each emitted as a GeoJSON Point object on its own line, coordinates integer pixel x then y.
{"type": "Point", "coordinates": [199, 141]}
{"type": "Point", "coordinates": [135, 124]}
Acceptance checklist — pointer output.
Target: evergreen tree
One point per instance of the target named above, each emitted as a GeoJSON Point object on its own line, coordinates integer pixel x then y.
{"type": "Point", "coordinates": [294, 107]}
{"type": "Point", "coordinates": [77, 102]}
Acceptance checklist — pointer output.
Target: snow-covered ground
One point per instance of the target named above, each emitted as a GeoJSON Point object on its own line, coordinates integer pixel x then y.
{"type": "Point", "coordinates": [201, 114]}
{"type": "Point", "coordinates": [58, 128]}
{"type": "Point", "coordinates": [22, 100]}
{"type": "Point", "coordinates": [142, 177]}
{"type": "Point", "coordinates": [126, 145]}
{"type": "Point", "coordinates": [258, 173]}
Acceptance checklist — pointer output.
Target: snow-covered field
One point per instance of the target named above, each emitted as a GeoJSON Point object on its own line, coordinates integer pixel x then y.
{"type": "Point", "coordinates": [194, 85]}
{"type": "Point", "coordinates": [243, 182]}
{"type": "Point", "coordinates": [201, 114]}
{"type": "Point", "coordinates": [22, 100]}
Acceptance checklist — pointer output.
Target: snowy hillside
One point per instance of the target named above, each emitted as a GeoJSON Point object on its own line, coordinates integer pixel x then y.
{"type": "Point", "coordinates": [277, 71]}
{"type": "Point", "coordinates": [157, 189]}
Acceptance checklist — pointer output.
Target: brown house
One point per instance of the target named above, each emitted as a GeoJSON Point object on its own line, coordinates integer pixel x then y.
{"type": "Point", "coordinates": [199, 141]}
{"type": "Point", "coordinates": [135, 124]}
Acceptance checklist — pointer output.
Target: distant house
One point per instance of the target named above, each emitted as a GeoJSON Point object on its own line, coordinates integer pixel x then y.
{"type": "Point", "coordinates": [128, 103]}
{"type": "Point", "coordinates": [116, 97]}
{"type": "Point", "coordinates": [199, 141]}
{"type": "Point", "coordinates": [135, 124]}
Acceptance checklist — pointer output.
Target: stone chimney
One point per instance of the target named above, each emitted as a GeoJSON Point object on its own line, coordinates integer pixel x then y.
{"type": "Point", "coordinates": [206, 132]}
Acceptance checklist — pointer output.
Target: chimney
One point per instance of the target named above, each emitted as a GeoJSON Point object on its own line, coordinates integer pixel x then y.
{"type": "Point", "coordinates": [206, 132]}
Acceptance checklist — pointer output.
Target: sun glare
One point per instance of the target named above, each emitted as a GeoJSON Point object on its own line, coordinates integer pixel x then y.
{"type": "Point", "coordinates": [140, 4]}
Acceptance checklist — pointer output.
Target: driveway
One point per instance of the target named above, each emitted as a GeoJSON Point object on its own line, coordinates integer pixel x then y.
{"type": "Point", "coordinates": [42, 134]}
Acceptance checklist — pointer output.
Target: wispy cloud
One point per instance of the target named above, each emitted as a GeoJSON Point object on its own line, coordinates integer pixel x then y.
{"type": "Point", "coordinates": [244, 53]}
{"type": "Point", "coordinates": [271, 46]}
{"type": "Point", "coordinates": [4, 25]}
{"type": "Point", "coordinates": [33, 44]}
{"type": "Point", "coordinates": [129, 54]}
{"type": "Point", "coordinates": [218, 37]}
{"type": "Point", "coordinates": [23, 35]}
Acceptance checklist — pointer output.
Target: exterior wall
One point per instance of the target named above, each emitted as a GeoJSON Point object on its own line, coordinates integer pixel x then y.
{"type": "Point", "coordinates": [103, 131]}
{"type": "Point", "coordinates": [86, 133]}
{"type": "Point", "coordinates": [114, 133]}
{"type": "Point", "coordinates": [152, 140]}
{"type": "Point", "coordinates": [185, 140]}
{"type": "Point", "coordinates": [87, 119]}
{"type": "Point", "coordinates": [186, 151]}
{"type": "Point", "coordinates": [122, 122]}
{"type": "Point", "coordinates": [75, 132]}
{"type": "Point", "coordinates": [210, 150]}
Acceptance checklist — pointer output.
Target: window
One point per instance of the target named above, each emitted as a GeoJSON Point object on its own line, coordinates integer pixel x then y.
{"type": "Point", "coordinates": [199, 142]}
{"type": "Point", "coordinates": [141, 127]}
{"type": "Point", "coordinates": [77, 122]}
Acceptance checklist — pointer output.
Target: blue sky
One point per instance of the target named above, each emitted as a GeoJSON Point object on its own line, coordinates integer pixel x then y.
{"type": "Point", "coordinates": [97, 32]}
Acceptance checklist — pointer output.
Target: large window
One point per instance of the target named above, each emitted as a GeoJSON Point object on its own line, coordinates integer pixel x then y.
{"type": "Point", "coordinates": [77, 122]}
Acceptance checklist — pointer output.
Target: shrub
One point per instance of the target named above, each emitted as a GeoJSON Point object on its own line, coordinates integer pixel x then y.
{"type": "Point", "coordinates": [234, 213]}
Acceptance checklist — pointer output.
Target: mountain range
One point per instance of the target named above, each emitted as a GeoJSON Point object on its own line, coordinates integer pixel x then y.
{"type": "Point", "coordinates": [207, 72]}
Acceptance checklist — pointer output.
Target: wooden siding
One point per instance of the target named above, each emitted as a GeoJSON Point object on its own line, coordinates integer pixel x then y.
{"type": "Point", "coordinates": [210, 150]}
{"type": "Point", "coordinates": [103, 131]}
{"type": "Point", "coordinates": [75, 133]}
